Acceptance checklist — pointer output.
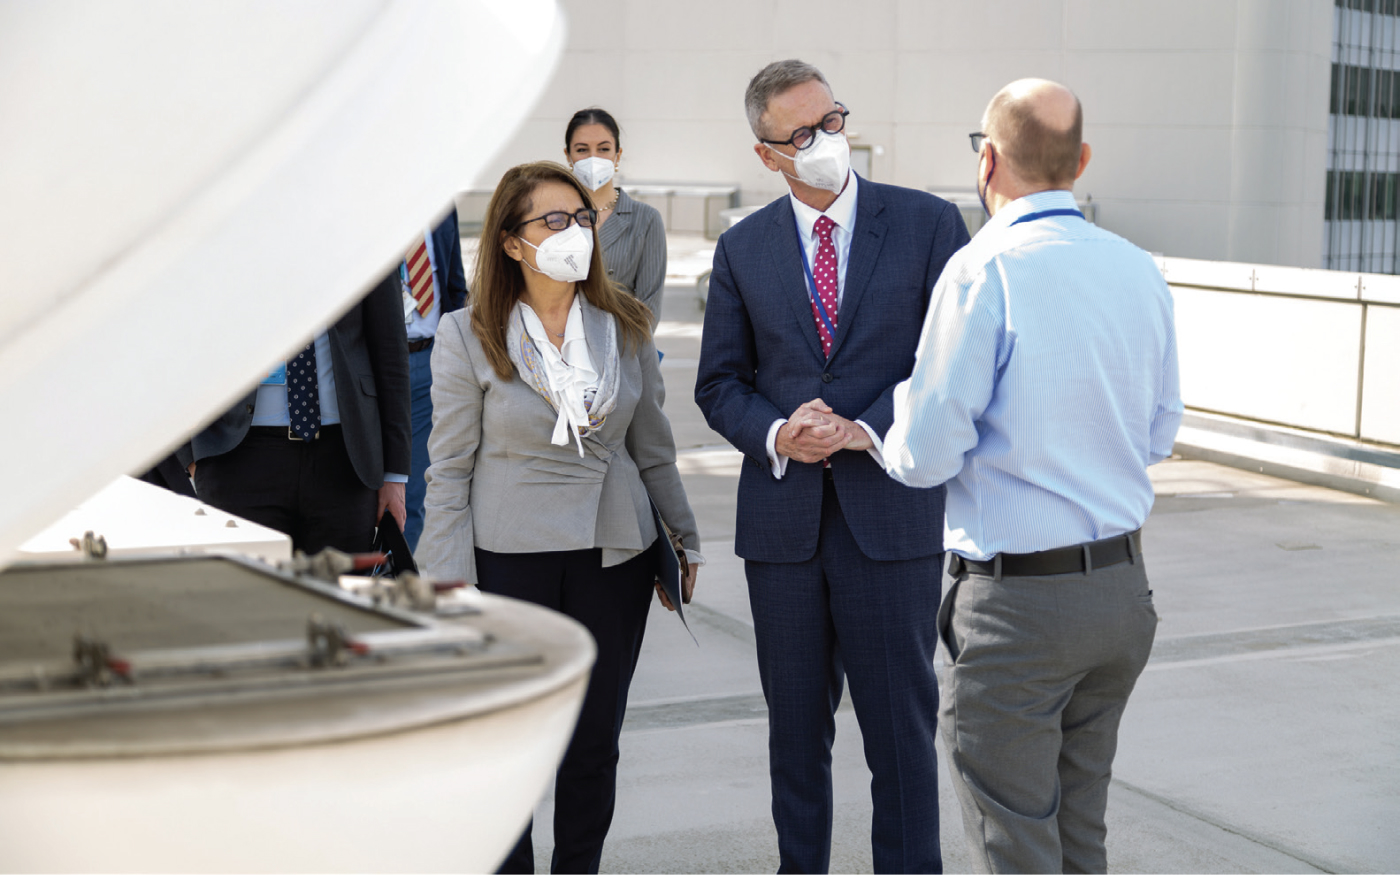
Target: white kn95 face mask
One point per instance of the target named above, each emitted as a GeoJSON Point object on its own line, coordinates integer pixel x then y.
{"type": "Point", "coordinates": [564, 256]}
{"type": "Point", "coordinates": [594, 172]}
{"type": "Point", "coordinates": [824, 164]}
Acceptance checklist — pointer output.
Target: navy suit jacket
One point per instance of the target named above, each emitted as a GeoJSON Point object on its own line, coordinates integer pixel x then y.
{"type": "Point", "coordinates": [369, 356]}
{"type": "Point", "coordinates": [761, 358]}
{"type": "Point", "coordinates": [447, 249]}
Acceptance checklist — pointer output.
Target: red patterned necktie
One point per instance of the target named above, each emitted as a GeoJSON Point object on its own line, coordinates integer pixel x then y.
{"type": "Point", "coordinates": [824, 278]}
{"type": "Point", "coordinates": [420, 275]}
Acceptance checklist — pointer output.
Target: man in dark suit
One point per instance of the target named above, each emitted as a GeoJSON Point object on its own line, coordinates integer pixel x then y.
{"type": "Point", "coordinates": [324, 477]}
{"type": "Point", "coordinates": [812, 319]}
{"type": "Point", "coordinates": [433, 284]}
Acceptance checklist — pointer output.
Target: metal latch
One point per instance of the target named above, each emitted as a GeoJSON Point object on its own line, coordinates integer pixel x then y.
{"type": "Point", "coordinates": [329, 644]}
{"type": "Point", "coordinates": [96, 664]}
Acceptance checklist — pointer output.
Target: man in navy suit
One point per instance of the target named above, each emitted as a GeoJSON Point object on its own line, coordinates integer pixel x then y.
{"type": "Point", "coordinates": [813, 316]}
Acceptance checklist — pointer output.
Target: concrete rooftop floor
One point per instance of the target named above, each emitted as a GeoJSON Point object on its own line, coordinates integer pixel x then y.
{"type": "Point", "coordinates": [1264, 735]}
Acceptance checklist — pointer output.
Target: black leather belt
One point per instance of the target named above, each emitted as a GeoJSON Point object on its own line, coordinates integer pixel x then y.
{"type": "Point", "coordinates": [1079, 559]}
{"type": "Point", "coordinates": [285, 431]}
{"type": "Point", "coordinates": [419, 345]}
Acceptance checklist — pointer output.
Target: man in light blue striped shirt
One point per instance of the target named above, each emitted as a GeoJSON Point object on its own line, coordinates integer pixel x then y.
{"type": "Point", "coordinates": [1045, 384]}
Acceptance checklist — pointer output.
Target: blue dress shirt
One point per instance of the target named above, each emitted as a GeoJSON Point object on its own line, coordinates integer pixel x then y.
{"type": "Point", "coordinates": [1045, 384]}
{"type": "Point", "coordinates": [271, 405]}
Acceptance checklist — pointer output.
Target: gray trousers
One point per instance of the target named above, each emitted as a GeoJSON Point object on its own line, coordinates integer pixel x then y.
{"type": "Point", "coordinates": [1041, 669]}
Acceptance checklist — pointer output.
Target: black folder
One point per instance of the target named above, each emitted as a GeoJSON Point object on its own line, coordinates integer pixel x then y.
{"type": "Point", "coordinates": [668, 568]}
{"type": "Point", "coordinates": [389, 539]}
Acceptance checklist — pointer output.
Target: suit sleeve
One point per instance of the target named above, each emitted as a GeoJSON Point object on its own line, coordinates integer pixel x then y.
{"type": "Point", "coordinates": [388, 349]}
{"type": "Point", "coordinates": [950, 235]}
{"type": "Point", "coordinates": [653, 449]}
{"type": "Point", "coordinates": [651, 267]}
{"type": "Point", "coordinates": [446, 550]}
{"type": "Point", "coordinates": [724, 382]}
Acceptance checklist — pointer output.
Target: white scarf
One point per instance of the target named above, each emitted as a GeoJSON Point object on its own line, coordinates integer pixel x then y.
{"type": "Point", "coordinates": [567, 378]}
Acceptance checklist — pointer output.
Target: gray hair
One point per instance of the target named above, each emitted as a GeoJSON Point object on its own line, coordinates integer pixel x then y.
{"type": "Point", "coordinates": [773, 80]}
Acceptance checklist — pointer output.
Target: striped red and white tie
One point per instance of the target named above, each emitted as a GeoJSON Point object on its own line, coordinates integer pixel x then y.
{"type": "Point", "coordinates": [420, 275]}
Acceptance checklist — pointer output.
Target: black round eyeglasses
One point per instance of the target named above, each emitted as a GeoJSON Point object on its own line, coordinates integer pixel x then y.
{"type": "Point", "coordinates": [559, 220]}
{"type": "Point", "coordinates": [833, 122]}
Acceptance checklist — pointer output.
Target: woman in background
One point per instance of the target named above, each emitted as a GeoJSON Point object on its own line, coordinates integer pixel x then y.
{"type": "Point", "coordinates": [631, 232]}
{"type": "Point", "coordinates": [548, 449]}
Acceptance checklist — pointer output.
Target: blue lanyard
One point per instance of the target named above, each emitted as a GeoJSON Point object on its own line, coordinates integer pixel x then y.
{"type": "Point", "coordinates": [1031, 217]}
{"type": "Point", "coordinates": [806, 269]}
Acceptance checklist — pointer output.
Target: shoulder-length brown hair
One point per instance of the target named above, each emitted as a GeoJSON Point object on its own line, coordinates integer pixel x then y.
{"type": "Point", "coordinates": [499, 281]}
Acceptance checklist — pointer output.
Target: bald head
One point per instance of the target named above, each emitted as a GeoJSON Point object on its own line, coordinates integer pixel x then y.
{"type": "Point", "coordinates": [1037, 126]}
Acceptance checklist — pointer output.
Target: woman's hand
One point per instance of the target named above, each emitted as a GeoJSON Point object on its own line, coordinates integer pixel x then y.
{"type": "Point", "coordinates": [688, 583]}
{"type": "Point", "coordinates": [687, 588]}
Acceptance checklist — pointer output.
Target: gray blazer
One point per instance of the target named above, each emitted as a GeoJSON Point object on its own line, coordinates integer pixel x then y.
{"type": "Point", "coordinates": [634, 251]}
{"type": "Point", "coordinates": [496, 482]}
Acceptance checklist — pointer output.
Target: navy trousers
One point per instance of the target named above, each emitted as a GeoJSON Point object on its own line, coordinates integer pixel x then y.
{"type": "Point", "coordinates": [420, 387]}
{"type": "Point", "coordinates": [612, 603]}
{"type": "Point", "coordinates": [841, 615]}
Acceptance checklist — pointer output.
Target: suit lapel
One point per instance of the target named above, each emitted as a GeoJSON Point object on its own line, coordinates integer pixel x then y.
{"type": "Point", "coordinates": [867, 239]}
{"type": "Point", "coordinates": [785, 252]}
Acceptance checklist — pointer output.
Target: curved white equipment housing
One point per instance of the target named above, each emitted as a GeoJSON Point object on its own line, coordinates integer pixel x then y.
{"type": "Point", "coordinates": [446, 798]}
{"type": "Point", "coordinates": [188, 192]}
{"type": "Point", "coordinates": [191, 190]}
{"type": "Point", "coordinates": [427, 754]}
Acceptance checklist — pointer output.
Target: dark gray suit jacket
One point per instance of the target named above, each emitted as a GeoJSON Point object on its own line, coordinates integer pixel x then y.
{"type": "Point", "coordinates": [369, 356]}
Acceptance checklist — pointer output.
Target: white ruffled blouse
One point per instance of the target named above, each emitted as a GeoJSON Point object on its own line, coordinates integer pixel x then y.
{"type": "Point", "coordinates": [573, 380]}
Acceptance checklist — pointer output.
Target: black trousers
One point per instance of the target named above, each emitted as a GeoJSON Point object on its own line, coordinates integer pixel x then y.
{"type": "Point", "coordinates": [168, 473]}
{"type": "Point", "coordinates": [612, 603]}
{"type": "Point", "coordinates": [306, 489]}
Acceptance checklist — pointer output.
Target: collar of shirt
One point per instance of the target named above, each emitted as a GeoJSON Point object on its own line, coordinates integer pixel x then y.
{"type": "Point", "coordinates": [1054, 199]}
{"type": "Point", "coordinates": [843, 212]}
{"type": "Point", "coordinates": [567, 364]}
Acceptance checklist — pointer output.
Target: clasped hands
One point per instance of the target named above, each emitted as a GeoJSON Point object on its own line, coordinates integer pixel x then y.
{"type": "Point", "coordinates": [814, 432]}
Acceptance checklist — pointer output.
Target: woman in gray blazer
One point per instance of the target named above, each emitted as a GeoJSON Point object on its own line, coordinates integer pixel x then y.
{"type": "Point", "coordinates": [632, 234]}
{"type": "Point", "coordinates": [548, 438]}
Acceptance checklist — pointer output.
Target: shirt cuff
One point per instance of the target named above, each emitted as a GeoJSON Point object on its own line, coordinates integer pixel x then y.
{"type": "Point", "coordinates": [395, 478]}
{"type": "Point", "coordinates": [778, 463]}
{"type": "Point", "coordinates": [694, 558]}
{"type": "Point", "coordinates": [877, 446]}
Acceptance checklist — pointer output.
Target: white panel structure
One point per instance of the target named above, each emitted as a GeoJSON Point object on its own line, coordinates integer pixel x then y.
{"type": "Point", "coordinates": [1282, 360]}
{"type": "Point", "coordinates": [192, 190]}
{"type": "Point", "coordinates": [1380, 391]}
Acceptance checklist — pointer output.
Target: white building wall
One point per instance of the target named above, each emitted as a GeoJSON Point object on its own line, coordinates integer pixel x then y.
{"type": "Point", "coordinates": [1208, 118]}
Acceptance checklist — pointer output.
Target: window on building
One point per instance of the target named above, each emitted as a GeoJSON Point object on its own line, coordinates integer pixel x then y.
{"type": "Point", "coordinates": [1384, 7]}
